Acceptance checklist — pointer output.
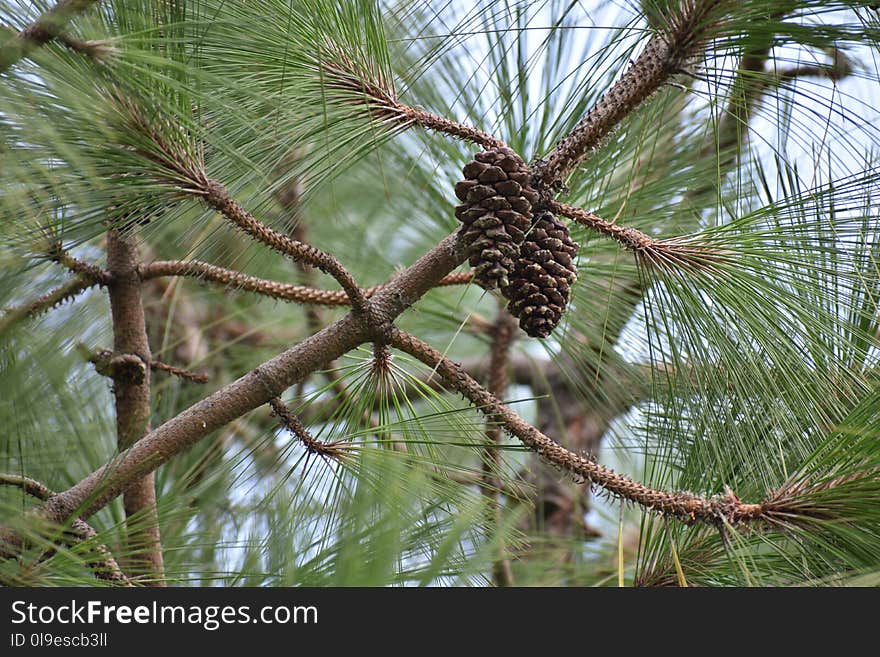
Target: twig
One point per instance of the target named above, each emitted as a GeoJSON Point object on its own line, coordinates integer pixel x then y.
{"type": "Point", "coordinates": [105, 567]}
{"type": "Point", "coordinates": [49, 26]}
{"type": "Point", "coordinates": [672, 254]}
{"type": "Point", "coordinates": [380, 98]}
{"type": "Point", "coordinates": [335, 450]}
{"type": "Point", "coordinates": [131, 367]}
{"type": "Point", "coordinates": [30, 486]}
{"type": "Point", "coordinates": [690, 508]}
{"type": "Point", "coordinates": [195, 377]}
{"type": "Point", "coordinates": [631, 239]}
{"type": "Point", "coordinates": [217, 197]}
{"type": "Point", "coordinates": [87, 270]}
{"type": "Point", "coordinates": [270, 288]}
{"type": "Point", "coordinates": [46, 302]}
{"type": "Point", "coordinates": [431, 121]}
{"type": "Point", "coordinates": [662, 57]}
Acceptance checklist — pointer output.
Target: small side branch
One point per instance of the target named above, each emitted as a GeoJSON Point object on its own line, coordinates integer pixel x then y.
{"type": "Point", "coordinates": [46, 302]}
{"type": "Point", "coordinates": [335, 450]}
{"type": "Point", "coordinates": [194, 377]}
{"type": "Point", "coordinates": [283, 291]}
{"type": "Point", "coordinates": [380, 99]}
{"type": "Point", "coordinates": [131, 368]}
{"type": "Point", "coordinates": [30, 486]}
{"type": "Point", "coordinates": [103, 565]}
{"type": "Point", "coordinates": [49, 26]}
{"type": "Point", "coordinates": [218, 198]}
{"type": "Point", "coordinates": [727, 508]}
{"type": "Point", "coordinates": [674, 254]}
{"type": "Point", "coordinates": [629, 238]}
{"type": "Point", "coordinates": [85, 269]}
{"type": "Point", "coordinates": [431, 121]}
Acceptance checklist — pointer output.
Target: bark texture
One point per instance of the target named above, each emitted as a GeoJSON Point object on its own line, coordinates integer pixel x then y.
{"type": "Point", "coordinates": [131, 389]}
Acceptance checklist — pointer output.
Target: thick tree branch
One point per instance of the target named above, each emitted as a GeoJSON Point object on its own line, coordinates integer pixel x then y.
{"type": "Point", "coordinates": [49, 26]}
{"type": "Point", "coordinates": [666, 53]}
{"type": "Point", "coordinates": [132, 395]}
{"type": "Point", "coordinates": [721, 509]}
{"type": "Point", "coordinates": [245, 394]}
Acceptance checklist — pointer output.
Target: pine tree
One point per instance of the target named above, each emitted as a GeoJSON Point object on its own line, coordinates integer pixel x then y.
{"type": "Point", "coordinates": [268, 319]}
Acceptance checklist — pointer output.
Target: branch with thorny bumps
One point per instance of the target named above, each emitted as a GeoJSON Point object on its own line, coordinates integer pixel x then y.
{"type": "Point", "coordinates": [374, 311]}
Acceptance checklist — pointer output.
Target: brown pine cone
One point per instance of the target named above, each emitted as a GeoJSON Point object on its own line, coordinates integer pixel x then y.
{"type": "Point", "coordinates": [496, 211]}
{"type": "Point", "coordinates": [540, 284]}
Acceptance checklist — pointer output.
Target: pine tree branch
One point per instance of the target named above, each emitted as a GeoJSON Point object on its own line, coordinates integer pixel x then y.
{"type": "Point", "coordinates": [245, 394]}
{"type": "Point", "coordinates": [431, 121]}
{"type": "Point", "coordinates": [194, 377]}
{"type": "Point", "coordinates": [132, 397]}
{"type": "Point", "coordinates": [502, 336]}
{"type": "Point", "coordinates": [86, 270]}
{"type": "Point", "coordinates": [49, 26]}
{"type": "Point", "coordinates": [334, 450]}
{"type": "Point", "coordinates": [380, 99]}
{"type": "Point", "coordinates": [30, 486]}
{"type": "Point", "coordinates": [46, 302]}
{"type": "Point", "coordinates": [217, 197]}
{"type": "Point", "coordinates": [664, 55]}
{"type": "Point", "coordinates": [105, 566]}
{"type": "Point", "coordinates": [282, 291]}
{"type": "Point", "coordinates": [684, 506]}
{"type": "Point", "coordinates": [676, 254]}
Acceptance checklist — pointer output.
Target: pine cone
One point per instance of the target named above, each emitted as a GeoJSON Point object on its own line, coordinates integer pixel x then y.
{"type": "Point", "coordinates": [540, 284]}
{"type": "Point", "coordinates": [496, 211]}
